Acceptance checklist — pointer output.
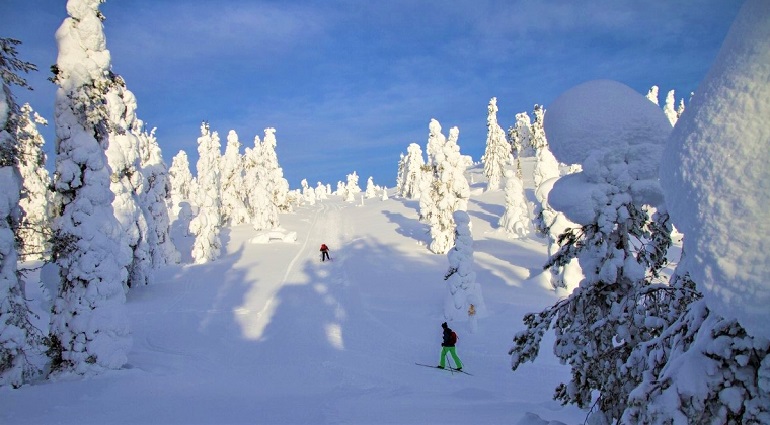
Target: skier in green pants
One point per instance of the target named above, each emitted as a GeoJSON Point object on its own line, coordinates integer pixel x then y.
{"type": "Point", "coordinates": [450, 339]}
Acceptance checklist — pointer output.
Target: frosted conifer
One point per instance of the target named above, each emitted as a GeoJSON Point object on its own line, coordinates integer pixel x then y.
{"type": "Point", "coordinates": [498, 149]}
{"type": "Point", "coordinates": [515, 221]}
{"type": "Point", "coordinates": [19, 339]}
{"type": "Point", "coordinates": [520, 138]}
{"type": "Point", "coordinates": [620, 244]}
{"type": "Point", "coordinates": [464, 300]}
{"type": "Point", "coordinates": [181, 180]}
{"type": "Point", "coordinates": [278, 186]}
{"type": "Point", "coordinates": [234, 209]}
{"type": "Point", "coordinates": [126, 180]}
{"type": "Point", "coordinates": [449, 192]}
{"type": "Point", "coordinates": [371, 189]}
{"type": "Point", "coordinates": [154, 198]}
{"type": "Point", "coordinates": [89, 326]}
{"type": "Point", "coordinates": [35, 226]}
{"type": "Point", "coordinates": [652, 95]}
{"type": "Point", "coordinates": [669, 108]}
{"type": "Point", "coordinates": [413, 173]}
{"type": "Point", "coordinates": [538, 140]}
{"type": "Point", "coordinates": [205, 226]}
{"type": "Point", "coordinates": [260, 201]}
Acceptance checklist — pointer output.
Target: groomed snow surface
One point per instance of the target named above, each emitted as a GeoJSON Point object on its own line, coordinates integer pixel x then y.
{"type": "Point", "coordinates": [269, 334]}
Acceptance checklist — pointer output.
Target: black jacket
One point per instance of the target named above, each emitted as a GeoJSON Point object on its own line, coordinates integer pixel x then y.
{"type": "Point", "coordinates": [447, 338]}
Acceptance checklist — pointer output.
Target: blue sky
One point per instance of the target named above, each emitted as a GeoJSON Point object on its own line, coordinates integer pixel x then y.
{"type": "Point", "coordinates": [348, 84]}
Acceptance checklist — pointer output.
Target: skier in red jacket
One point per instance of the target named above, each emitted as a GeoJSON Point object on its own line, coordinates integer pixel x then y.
{"type": "Point", "coordinates": [325, 252]}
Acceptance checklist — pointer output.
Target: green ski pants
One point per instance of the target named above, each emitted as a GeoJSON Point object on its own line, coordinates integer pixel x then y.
{"type": "Point", "coordinates": [453, 353]}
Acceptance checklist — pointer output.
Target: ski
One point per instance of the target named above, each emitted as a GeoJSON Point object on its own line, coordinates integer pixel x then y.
{"type": "Point", "coordinates": [448, 369]}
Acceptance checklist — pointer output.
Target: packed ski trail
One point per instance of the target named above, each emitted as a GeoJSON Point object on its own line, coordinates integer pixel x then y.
{"type": "Point", "coordinates": [270, 334]}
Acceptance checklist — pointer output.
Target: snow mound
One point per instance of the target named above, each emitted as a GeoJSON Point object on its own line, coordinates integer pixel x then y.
{"type": "Point", "coordinates": [601, 114]}
{"type": "Point", "coordinates": [274, 236]}
{"type": "Point", "coordinates": [716, 177]}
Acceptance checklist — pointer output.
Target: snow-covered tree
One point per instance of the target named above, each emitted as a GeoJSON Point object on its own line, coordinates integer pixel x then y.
{"type": "Point", "coordinates": [413, 173]}
{"type": "Point", "coordinates": [620, 244]}
{"type": "Point", "coordinates": [546, 168]}
{"type": "Point", "coordinates": [428, 185]}
{"type": "Point", "coordinates": [308, 193]}
{"type": "Point", "coordinates": [234, 209]}
{"type": "Point", "coordinates": [448, 192]}
{"type": "Point", "coordinates": [89, 326]}
{"type": "Point", "coordinates": [126, 179]}
{"type": "Point", "coordinates": [436, 141]}
{"type": "Point", "coordinates": [670, 108]}
{"type": "Point", "coordinates": [260, 200]}
{"type": "Point", "coordinates": [464, 300]}
{"type": "Point", "coordinates": [652, 95]}
{"type": "Point", "coordinates": [154, 198]}
{"type": "Point", "coordinates": [277, 185]}
{"type": "Point", "coordinates": [351, 187]}
{"type": "Point", "coordinates": [35, 226]}
{"type": "Point", "coordinates": [205, 226]}
{"type": "Point", "coordinates": [19, 339]}
{"type": "Point", "coordinates": [181, 180]}
{"type": "Point", "coordinates": [384, 196]}
{"type": "Point", "coordinates": [497, 150]}
{"type": "Point", "coordinates": [538, 140]}
{"type": "Point", "coordinates": [520, 138]}
{"type": "Point", "coordinates": [515, 221]}
{"type": "Point", "coordinates": [712, 364]}
{"type": "Point", "coordinates": [371, 188]}
{"type": "Point", "coordinates": [321, 192]}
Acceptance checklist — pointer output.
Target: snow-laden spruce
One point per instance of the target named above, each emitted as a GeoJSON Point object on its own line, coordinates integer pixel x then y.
{"type": "Point", "coordinates": [89, 327]}
{"type": "Point", "coordinates": [448, 190]}
{"type": "Point", "coordinates": [616, 134]}
{"type": "Point", "coordinates": [495, 158]}
{"type": "Point", "coordinates": [520, 138]}
{"type": "Point", "coordinates": [181, 180]}
{"type": "Point", "coordinates": [126, 179]}
{"type": "Point", "coordinates": [35, 226]}
{"type": "Point", "coordinates": [154, 196]}
{"type": "Point", "coordinates": [20, 342]}
{"type": "Point", "coordinates": [277, 185]}
{"type": "Point", "coordinates": [351, 187]}
{"type": "Point", "coordinates": [262, 177]}
{"type": "Point", "coordinates": [206, 224]}
{"type": "Point", "coordinates": [234, 209]}
{"type": "Point", "coordinates": [371, 188]}
{"type": "Point", "coordinates": [464, 300]}
{"type": "Point", "coordinates": [412, 167]}
{"type": "Point", "coordinates": [515, 221]}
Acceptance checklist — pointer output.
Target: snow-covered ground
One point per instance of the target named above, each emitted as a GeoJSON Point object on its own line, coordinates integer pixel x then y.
{"type": "Point", "coordinates": [268, 334]}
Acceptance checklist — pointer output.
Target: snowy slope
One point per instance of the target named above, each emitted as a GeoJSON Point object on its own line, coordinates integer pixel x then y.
{"type": "Point", "coordinates": [269, 334]}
